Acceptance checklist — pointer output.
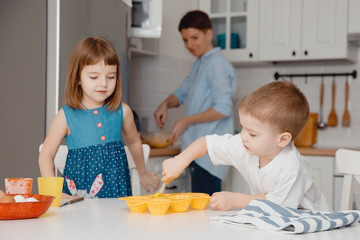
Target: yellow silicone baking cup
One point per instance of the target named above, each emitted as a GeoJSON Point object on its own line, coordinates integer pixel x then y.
{"type": "Point", "coordinates": [200, 201]}
{"type": "Point", "coordinates": [136, 206]}
{"type": "Point", "coordinates": [180, 202]}
{"type": "Point", "coordinates": [159, 204]}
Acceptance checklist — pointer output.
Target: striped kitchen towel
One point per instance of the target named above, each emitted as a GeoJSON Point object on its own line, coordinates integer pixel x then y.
{"type": "Point", "coordinates": [267, 215]}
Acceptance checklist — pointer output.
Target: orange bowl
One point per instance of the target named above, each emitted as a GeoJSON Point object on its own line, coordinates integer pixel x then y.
{"type": "Point", "coordinates": [22, 210]}
{"type": "Point", "coordinates": [156, 139]}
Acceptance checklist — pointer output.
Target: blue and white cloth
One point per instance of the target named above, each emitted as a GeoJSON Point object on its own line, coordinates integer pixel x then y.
{"type": "Point", "coordinates": [267, 215]}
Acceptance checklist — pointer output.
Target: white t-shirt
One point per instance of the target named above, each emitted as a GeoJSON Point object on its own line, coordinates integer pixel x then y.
{"type": "Point", "coordinates": [286, 180]}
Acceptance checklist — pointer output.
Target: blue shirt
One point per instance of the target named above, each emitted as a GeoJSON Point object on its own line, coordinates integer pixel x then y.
{"type": "Point", "coordinates": [210, 84]}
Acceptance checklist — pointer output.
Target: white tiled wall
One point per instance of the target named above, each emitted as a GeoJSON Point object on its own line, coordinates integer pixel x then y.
{"type": "Point", "coordinates": [154, 78]}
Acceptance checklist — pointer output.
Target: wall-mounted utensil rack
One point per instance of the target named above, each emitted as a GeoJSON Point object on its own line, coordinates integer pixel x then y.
{"type": "Point", "coordinates": [306, 75]}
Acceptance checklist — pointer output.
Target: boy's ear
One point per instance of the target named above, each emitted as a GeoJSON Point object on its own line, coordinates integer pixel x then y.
{"type": "Point", "coordinates": [285, 139]}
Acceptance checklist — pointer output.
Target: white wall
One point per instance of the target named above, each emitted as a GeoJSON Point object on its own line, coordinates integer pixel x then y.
{"type": "Point", "coordinates": [153, 78]}
{"type": "Point", "coordinates": [171, 43]}
{"type": "Point", "coordinates": [250, 78]}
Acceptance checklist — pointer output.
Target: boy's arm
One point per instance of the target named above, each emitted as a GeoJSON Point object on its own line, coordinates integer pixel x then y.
{"type": "Point", "coordinates": [224, 201]}
{"type": "Point", "coordinates": [173, 167]}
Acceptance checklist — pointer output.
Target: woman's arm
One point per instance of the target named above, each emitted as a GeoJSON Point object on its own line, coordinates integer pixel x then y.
{"type": "Point", "coordinates": [183, 123]}
{"type": "Point", "coordinates": [57, 132]}
{"type": "Point", "coordinates": [161, 112]}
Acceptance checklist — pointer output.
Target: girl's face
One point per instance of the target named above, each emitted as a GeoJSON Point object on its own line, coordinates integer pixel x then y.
{"type": "Point", "coordinates": [98, 83]}
{"type": "Point", "coordinates": [259, 139]}
{"type": "Point", "coordinates": [196, 41]}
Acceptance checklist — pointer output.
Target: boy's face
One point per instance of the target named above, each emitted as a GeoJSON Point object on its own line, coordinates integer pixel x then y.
{"type": "Point", "coordinates": [259, 139]}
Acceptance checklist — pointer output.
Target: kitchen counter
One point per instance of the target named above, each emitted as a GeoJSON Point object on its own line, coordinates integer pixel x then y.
{"type": "Point", "coordinates": [317, 151]}
{"type": "Point", "coordinates": [111, 219]}
{"type": "Point", "coordinates": [169, 151]}
{"type": "Point", "coordinates": [172, 151]}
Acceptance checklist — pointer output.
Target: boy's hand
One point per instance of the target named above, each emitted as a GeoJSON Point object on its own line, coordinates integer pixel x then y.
{"type": "Point", "coordinates": [223, 201]}
{"type": "Point", "coordinates": [147, 179]}
{"type": "Point", "coordinates": [172, 168]}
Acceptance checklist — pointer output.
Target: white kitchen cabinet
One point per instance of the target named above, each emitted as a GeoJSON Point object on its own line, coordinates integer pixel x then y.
{"type": "Point", "coordinates": [235, 22]}
{"type": "Point", "coordinates": [304, 30]}
{"type": "Point", "coordinates": [354, 22]}
{"type": "Point", "coordinates": [144, 46]}
{"type": "Point", "coordinates": [322, 169]}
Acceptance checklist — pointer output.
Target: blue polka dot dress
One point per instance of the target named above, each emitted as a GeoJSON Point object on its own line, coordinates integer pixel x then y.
{"type": "Point", "coordinates": [96, 161]}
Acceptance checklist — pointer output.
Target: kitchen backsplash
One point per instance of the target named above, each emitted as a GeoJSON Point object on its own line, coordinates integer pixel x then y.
{"type": "Point", "coordinates": [153, 78]}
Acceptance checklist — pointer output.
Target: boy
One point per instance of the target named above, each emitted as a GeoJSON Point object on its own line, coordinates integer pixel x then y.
{"type": "Point", "coordinates": [271, 117]}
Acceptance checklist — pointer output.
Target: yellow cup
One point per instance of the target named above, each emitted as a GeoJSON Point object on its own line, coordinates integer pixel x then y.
{"type": "Point", "coordinates": [51, 186]}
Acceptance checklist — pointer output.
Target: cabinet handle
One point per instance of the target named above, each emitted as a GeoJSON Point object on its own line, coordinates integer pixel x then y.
{"type": "Point", "coordinates": [293, 53]}
{"type": "Point", "coordinates": [250, 55]}
{"type": "Point", "coordinates": [306, 52]}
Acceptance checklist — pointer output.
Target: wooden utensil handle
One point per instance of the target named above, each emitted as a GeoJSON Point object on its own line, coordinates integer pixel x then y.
{"type": "Point", "coordinates": [333, 94]}
{"type": "Point", "coordinates": [322, 93]}
{"type": "Point", "coordinates": [346, 93]}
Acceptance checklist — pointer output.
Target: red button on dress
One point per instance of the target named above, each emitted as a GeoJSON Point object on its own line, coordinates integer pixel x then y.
{"type": "Point", "coordinates": [95, 112]}
{"type": "Point", "coordinates": [103, 138]}
{"type": "Point", "coordinates": [99, 125]}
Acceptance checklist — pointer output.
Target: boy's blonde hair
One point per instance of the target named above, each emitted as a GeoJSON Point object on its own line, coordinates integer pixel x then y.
{"type": "Point", "coordinates": [280, 104]}
{"type": "Point", "coordinates": [91, 51]}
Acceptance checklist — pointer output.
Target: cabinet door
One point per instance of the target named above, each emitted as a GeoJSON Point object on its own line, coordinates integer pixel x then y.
{"type": "Point", "coordinates": [324, 29]}
{"type": "Point", "coordinates": [322, 169]}
{"type": "Point", "coordinates": [279, 30]}
{"type": "Point", "coordinates": [235, 27]}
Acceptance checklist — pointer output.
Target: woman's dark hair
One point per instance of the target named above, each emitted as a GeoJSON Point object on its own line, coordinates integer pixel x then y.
{"type": "Point", "coordinates": [195, 19]}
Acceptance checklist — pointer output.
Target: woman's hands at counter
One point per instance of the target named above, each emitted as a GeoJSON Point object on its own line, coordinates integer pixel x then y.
{"type": "Point", "coordinates": [161, 114]}
{"type": "Point", "coordinates": [179, 128]}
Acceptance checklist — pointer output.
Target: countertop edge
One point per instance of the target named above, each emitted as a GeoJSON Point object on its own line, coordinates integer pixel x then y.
{"type": "Point", "coordinates": [306, 151]}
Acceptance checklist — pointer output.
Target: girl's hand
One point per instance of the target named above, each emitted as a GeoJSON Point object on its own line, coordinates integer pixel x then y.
{"type": "Point", "coordinates": [147, 179]}
{"type": "Point", "coordinates": [223, 201]}
{"type": "Point", "coordinates": [172, 168]}
{"type": "Point", "coordinates": [67, 196]}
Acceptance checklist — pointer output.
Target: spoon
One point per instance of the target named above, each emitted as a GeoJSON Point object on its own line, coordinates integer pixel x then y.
{"type": "Point", "coordinates": [321, 124]}
{"type": "Point", "coordinates": [161, 191]}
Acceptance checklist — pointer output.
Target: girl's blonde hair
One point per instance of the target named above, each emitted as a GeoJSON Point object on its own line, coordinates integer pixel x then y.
{"type": "Point", "coordinates": [91, 51]}
{"type": "Point", "coordinates": [280, 104]}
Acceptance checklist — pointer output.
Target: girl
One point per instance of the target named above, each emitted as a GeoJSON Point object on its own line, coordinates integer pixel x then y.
{"type": "Point", "coordinates": [94, 122]}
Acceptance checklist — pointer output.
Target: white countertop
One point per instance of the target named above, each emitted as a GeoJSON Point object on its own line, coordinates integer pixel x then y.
{"type": "Point", "coordinates": [111, 219]}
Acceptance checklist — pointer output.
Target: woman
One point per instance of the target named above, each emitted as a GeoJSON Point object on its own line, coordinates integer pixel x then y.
{"type": "Point", "coordinates": [208, 92]}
